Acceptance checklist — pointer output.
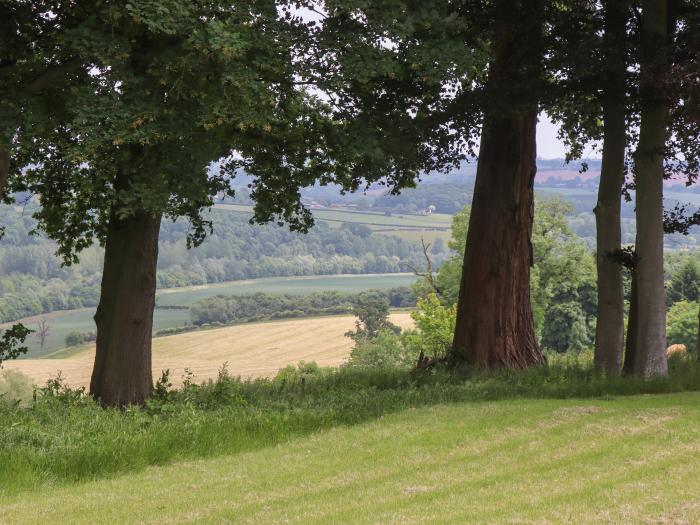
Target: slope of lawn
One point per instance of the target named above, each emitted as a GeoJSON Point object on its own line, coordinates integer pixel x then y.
{"type": "Point", "coordinates": [615, 460]}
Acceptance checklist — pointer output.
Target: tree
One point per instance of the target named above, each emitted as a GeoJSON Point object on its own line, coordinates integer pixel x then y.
{"type": "Point", "coordinates": [11, 342]}
{"type": "Point", "coordinates": [682, 325]}
{"type": "Point", "coordinates": [42, 332]}
{"type": "Point", "coordinates": [650, 356]}
{"type": "Point", "coordinates": [173, 88]}
{"type": "Point", "coordinates": [609, 336]}
{"type": "Point", "coordinates": [495, 326]}
{"type": "Point", "coordinates": [372, 312]}
{"type": "Point", "coordinates": [35, 70]}
{"type": "Point", "coordinates": [685, 283]}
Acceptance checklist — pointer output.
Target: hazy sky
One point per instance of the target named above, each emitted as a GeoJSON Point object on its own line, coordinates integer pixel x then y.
{"type": "Point", "coordinates": [549, 146]}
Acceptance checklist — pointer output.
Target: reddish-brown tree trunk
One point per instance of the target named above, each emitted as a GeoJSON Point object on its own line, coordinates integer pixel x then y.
{"type": "Point", "coordinates": [495, 326]}
{"type": "Point", "coordinates": [609, 336]}
{"type": "Point", "coordinates": [122, 374]}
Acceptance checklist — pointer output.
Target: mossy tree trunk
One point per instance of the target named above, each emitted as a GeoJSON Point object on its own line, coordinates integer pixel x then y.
{"type": "Point", "coordinates": [609, 336]}
{"type": "Point", "coordinates": [650, 355]}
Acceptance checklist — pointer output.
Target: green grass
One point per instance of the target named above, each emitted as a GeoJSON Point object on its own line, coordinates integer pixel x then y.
{"type": "Point", "coordinates": [551, 439]}
{"type": "Point", "coordinates": [624, 460]}
{"type": "Point", "coordinates": [62, 323]}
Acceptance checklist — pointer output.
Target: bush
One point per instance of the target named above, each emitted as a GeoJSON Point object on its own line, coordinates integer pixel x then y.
{"type": "Point", "coordinates": [436, 326]}
{"type": "Point", "coordinates": [386, 349]}
{"type": "Point", "coordinates": [74, 339]}
{"type": "Point", "coordinates": [299, 373]}
{"type": "Point", "coordinates": [15, 387]}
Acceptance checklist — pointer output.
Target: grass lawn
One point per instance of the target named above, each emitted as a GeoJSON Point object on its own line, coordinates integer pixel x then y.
{"type": "Point", "coordinates": [618, 460]}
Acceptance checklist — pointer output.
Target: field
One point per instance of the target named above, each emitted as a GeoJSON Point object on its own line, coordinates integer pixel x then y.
{"type": "Point", "coordinates": [249, 350]}
{"type": "Point", "coordinates": [284, 285]}
{"type": "Point", "coordinates": [63, 322]}
{"type": "Point", "coordinates": [623, 460]}
{"type": "Point", "coordinates": [408, 226]}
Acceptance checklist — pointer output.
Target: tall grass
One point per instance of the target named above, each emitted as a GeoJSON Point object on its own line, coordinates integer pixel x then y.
{"type": "Point", "coordinates": [63, 435]}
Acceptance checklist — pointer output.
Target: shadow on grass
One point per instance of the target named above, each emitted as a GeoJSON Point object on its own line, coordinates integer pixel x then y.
{"type": "Point", "coordinates": [64, 436]}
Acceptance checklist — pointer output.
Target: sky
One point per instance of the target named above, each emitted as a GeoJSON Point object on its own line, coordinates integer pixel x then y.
{"type": "Point", "coordinates": [549, 146]}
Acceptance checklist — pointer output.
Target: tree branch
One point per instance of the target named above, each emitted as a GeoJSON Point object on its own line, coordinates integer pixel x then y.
{"type": "Point", "coordinates": [52, 73]}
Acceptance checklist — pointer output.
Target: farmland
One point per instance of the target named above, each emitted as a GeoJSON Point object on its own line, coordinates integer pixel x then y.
{"type": "Point", "coordinates": [407, 226]}
{"type": "Point", "coordinates": [249, 350]}
{"type": "Point", "coordinates": [63, 322]}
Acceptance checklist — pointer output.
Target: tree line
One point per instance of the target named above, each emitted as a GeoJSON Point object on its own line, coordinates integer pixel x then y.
{"type": "Point", "coordinates": [113, 113]}
{"type": "Point", "coordinates": [32, 280]}
{"type": "Point", "coordinates": [224, 309]}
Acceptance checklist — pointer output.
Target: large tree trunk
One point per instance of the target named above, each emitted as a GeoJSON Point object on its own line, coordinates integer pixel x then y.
{"type": "Point", "coordinates": [495, 326]}
{"type": "Point", "coordinates": [698, 345]}
{"type": "Point", "coordinates": [122, 374]}
{"type": "Point", "coordinates": [632, 322]}
{"type": "Point", "coordinates": [650, 356]}
{"type": "Point", "coordinates": [609, 336]}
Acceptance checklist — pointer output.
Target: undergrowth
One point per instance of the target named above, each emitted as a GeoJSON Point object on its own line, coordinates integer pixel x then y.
{"type": "Point", "coordinates": [62, 435]}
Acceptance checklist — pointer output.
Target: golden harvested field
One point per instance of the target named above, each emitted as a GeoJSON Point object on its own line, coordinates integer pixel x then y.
{"type": "Point", "coordinates": [250, 350]}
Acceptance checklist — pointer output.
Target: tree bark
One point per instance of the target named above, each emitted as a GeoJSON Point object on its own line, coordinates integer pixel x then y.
{"type": "Point", "coordinates": [609, 336]}
{"type": "Point", "coordinates": [122, 373]}
{"type": "Point", "coordinates": [650, 355]}
{"type": "Point", "coordinates": [698, 345]}
{"type": "Point", "coordinates": [495, 326]}
{"type": "Point", "coordinates": [632, 322]}
{"type": "Point", "coordinates": [4, 170]}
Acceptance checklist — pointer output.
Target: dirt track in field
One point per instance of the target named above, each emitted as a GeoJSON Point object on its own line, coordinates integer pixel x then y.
{"type": "Point", "coordinates": [250, 350]}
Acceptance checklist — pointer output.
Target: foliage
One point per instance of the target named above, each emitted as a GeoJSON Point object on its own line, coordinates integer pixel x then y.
{"type": "Point", "coordinates": [386, 350]}
{"type": "Point", "coordinates": [682, 324]}
{"type": "Point", "coordinates": [447, 198]}
{"type": "Point", "coordinates": [261, 306]}
{"type": "Point", "coordinates": [15, 387]}
{"type": "Point", "coordinates": [300, 373]}
{"type": "Point", "coordinates": [75, 339]}
{"type": "Point", "coordinates": [372, 311]}
{"type": "Point", "coordinates": [435, 327]}
{"type": "Point", "coordinates": [563, 278]}
{"type": "Point", "coordinates": [32, 280]}
{"type": "Point", "coordinates": [11, 341]}
{"type": "Point", "coordinates": [684, 284]}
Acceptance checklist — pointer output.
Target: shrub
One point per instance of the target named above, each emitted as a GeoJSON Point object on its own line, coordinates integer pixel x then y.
{"type": "Point", "coordinates": [436, 326]}
{"type": "Point", "coordinates": [15, 387]}
{"type": "Point", "coordinates": [74, 339]}
{"type": "Point", "coordinates": [299, 373]}
{"type": "Point", "coordinates": [386, 349]}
